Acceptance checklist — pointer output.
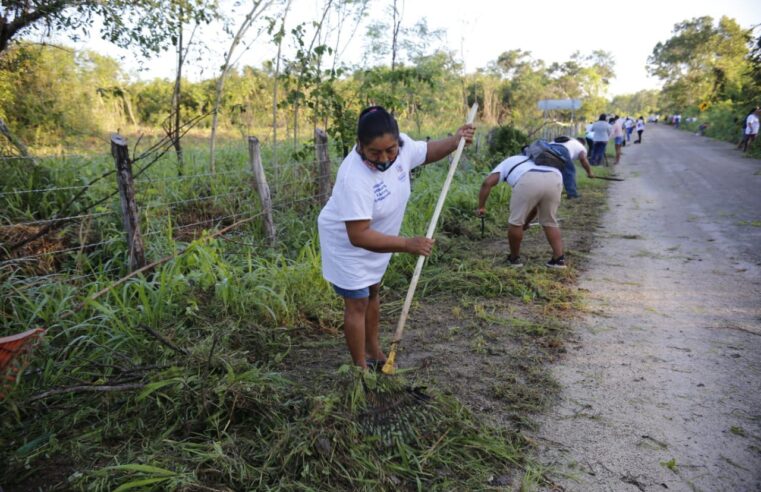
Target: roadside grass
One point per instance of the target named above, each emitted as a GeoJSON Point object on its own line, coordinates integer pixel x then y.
{"type": "Point", "coordinates": [194, 377]}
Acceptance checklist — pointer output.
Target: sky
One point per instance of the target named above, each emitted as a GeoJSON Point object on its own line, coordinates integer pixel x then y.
{"type": "Point", "coordinates": [479, 30]}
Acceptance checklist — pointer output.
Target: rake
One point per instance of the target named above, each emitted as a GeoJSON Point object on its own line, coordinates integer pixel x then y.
{"type": "Point", "coordinates": [608, 178]}
{"type": "Point", "coordinates": [388, 367]}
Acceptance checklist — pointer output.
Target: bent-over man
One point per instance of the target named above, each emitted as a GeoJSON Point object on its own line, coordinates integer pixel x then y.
{"type": "Point", "coordinates": [536, 193]}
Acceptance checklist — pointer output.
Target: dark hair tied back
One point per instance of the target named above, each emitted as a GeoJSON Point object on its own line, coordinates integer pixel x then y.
{"type": "Point", "coordinates": [375, 122]}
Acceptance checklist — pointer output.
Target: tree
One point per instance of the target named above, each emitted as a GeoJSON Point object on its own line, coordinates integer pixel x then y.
{"type": "Point", "coordinates": [257, 8]}
{"type": "Point", "coordinates": [51, 92]}
{"type": "Point", "coordinates": [701, 62]}
{"type": "Point", "coordinates": [146, 24]}
{"type": "Point", "coordinates": [640, 103]}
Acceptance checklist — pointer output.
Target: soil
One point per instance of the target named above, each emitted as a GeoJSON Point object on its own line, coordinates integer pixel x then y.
{"type": "Point", "coordinates": [661, 390]}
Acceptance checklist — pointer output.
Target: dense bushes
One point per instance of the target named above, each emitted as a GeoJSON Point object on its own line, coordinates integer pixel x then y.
{"type": "Point", "coordinates": [505, 141]}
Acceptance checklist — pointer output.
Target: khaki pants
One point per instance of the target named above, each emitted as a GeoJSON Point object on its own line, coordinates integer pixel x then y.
{"type": "Point", "coordinates": [536, 189]}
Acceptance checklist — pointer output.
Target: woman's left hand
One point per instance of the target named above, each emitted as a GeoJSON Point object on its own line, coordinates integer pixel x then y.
{"type": "Point", "coordinates": [467, 131]}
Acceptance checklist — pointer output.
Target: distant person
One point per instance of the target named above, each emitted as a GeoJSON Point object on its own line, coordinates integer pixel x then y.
{"type": "Point", "coordinates": [536, 193]}
{"type": "Point", "coordinates": [576, 150]}
{"type": "Point", "coordinates": [751, 129]}
{"type": "Point", "coordinates": [702, 129]}
{"type": "Point", "coordinates": [601, 134]}
{"type": "Point", "coordinates": [629, 128]}
{"type": "Point", "coordinates": [589, 137]}
{"type": "Point", "coordinates": [677, 120]}
{"type": "Point", "coordinates": [359, 226]}
{"type": "Point", "coordinates": [640, 127]}
{"type": "Point", "coordinates": [617, 132]}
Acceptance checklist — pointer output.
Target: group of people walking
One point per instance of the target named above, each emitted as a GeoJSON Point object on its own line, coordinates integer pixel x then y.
{"type": "Point", "coordinates": [360, 224]}
{"type": "Point", "coordinates": [599, 133]}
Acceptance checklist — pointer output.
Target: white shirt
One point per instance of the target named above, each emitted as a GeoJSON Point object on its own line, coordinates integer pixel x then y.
{"type": "Point", "coordinates": [751, 124]}
{"type": "Point", "coordinates": [574, 148]}
{"type": "Point", "coordinates": [628, 123]}
{"type": "Point", "coordinates": [524, 165]}
{"type": "Point", "coordinates": [361, 193]}
{"type": "Point", "coordinates": [640, 125]}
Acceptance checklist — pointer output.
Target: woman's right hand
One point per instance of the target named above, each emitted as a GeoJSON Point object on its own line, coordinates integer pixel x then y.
{"type": "Point", "coordinates": [419, 245]}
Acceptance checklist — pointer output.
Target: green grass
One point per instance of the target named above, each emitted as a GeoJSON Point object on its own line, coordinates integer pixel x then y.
{"type": "Point", "coordinates": [213, 408]}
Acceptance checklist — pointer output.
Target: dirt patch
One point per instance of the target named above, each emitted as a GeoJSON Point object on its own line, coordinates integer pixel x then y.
{"type": "Point", "coordinates": [38, 257]}
{"type": "Point", "coordinates": [478, 329]}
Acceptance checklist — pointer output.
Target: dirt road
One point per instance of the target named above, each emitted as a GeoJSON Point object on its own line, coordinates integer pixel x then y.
{"type": "Point", "coordinates": [662, 388]}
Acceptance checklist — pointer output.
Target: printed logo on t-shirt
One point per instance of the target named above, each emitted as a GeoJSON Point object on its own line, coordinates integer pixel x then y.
{"type": "Point", "coordinates": [402, 173]}
{"type": "Point", "coordinates": [381, 191]}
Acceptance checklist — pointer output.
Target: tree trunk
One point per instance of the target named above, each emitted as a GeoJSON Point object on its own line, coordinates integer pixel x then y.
{"type": "Point", "coordinates": [176, 100]}
{"type": "Point", "coordinates": [245, 25]}
{"type": "Point", "coordinates": [303, 69]}
{"type": "Point", "coordinates": [281, 35]}
{"type": "Point", "coordinates": [395, 38]}
{"type": "Point", "coordinates": [16, 142]}
{"type": "Point", "coordinates": [128, 106]}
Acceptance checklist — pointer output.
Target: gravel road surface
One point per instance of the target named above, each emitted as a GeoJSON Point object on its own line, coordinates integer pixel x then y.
{"type": "Point", "coordinates": [662, 386]}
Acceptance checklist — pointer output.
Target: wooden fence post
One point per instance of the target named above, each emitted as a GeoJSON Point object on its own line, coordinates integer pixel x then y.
{"type": "Point", "coordinates": [126, 186]}
{"type": "Point", "coordinates": [260, 183]}
{"type": "Point", "coordinates": [323, 165]}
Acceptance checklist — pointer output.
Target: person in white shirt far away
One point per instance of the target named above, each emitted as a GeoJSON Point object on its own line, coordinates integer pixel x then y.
{"type": "Point", "coordinates": [751, 129]}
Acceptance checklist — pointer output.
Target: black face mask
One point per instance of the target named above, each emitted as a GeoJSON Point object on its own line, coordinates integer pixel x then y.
{"type": "Point", "coordinates": [381, 166]}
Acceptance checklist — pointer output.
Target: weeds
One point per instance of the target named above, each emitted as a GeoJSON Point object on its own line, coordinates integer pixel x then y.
{"type": "Point", "coordinates": [215, 371]}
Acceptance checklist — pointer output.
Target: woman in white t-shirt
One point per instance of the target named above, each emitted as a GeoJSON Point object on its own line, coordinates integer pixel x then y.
{"type": "Point", "coordinates": [359, 226]}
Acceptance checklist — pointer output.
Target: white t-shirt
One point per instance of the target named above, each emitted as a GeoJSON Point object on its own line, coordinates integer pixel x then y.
{"type": "Point", "coordinates": [574, 148]}
{"type": "Point", "coordinates": [751, 124]}
{"type": "Point", "coordinates": [524, 165]}
{"type": "Point", "coordinates": [628, 123]}
{"type": "Point", "coordinates": [361, 193]}
{"type": "Point", "coordinates": [640, 125]}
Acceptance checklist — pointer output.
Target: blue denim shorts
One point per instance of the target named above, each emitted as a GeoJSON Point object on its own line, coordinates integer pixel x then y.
{"type": "Point", "coordinates": [619, 140]}
{"type": "Point", "coordinates": [352, 294]}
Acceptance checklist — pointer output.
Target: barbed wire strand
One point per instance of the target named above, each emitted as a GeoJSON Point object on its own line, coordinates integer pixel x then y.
{"type": "Point", "coordinates": [60, 219]}
{"type": "Point", "coordinates": [59, 251]}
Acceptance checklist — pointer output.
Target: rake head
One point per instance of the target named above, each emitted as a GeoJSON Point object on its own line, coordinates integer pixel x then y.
{"type": "Point", "coordinates": [404, 413]}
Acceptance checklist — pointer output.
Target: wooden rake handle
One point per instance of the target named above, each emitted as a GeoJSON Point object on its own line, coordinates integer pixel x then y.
{"type": "Point", "coordinates": [388, 368]}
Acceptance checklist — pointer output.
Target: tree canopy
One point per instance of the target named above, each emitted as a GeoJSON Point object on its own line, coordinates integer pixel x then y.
{"type": "Point", "coordinates": [702, 62]}
{"type": "Point", "coordinates": [146, 24]}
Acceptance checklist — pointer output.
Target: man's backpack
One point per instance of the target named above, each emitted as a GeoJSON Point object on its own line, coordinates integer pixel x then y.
{"type": "Point", "coordinates": [545, 153]}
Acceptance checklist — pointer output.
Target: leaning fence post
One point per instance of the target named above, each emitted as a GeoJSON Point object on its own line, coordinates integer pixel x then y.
{"type": "Point", "coordinates": [126, 186]}
{"type": "Point", "coordinates": [323, 165]}
{"type": "Point", "coordinates": [260, 183]}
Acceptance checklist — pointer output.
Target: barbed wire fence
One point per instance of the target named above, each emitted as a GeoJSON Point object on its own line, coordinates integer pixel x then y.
{"type": "Point", "coordinates": [33, 248]}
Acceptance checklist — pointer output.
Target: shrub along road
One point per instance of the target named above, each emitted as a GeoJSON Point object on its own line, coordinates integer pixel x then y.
{"type": "Point", "coordinates": [662, 388]}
